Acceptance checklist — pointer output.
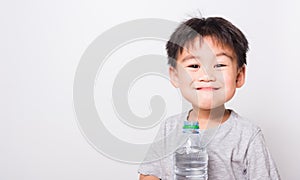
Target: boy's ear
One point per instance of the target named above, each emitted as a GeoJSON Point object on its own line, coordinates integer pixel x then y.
{"type": "Point", "coordinates": [240, 79]}
{"type": "Point", "coordinates": [173, 76]}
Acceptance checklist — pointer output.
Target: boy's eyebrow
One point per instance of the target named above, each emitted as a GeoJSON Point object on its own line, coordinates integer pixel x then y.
{"type": "Point", "coordinates": [217, 55]}
{"type": "Point", "coordinates": [224, 54]}
{"type": "Point", "coordinates": [188, 57]}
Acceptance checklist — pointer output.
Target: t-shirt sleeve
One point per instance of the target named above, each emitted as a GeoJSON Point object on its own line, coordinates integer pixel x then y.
{"type": "Point", "coordinates": [153, 162]}
{"type": "Point", "coordinates": [160, 167]}
{"type": "Point", "coordinates": [159, 158]}
{"type": "Point", "coordinates": [260, 164]}
{"type": "Point", "coordinates": [151, 168]}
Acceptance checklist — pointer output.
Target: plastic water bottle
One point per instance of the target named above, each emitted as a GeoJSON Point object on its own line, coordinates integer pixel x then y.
{"type": "Point", "coordinates": [191, 160]}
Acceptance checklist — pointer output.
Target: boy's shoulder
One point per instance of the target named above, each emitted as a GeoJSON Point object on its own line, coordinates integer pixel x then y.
{"type": "Point", "coordinates": [243, 122]}
{"type": "Point", "coordinates": [178, 117]}
{"type": "Point", "coordinates": [241, 126]}
{"type": "Point", "coordinates": [174, 121]}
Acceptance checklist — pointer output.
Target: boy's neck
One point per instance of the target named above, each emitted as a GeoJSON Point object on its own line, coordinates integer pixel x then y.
{"type": "Point", "coordinates": [209, 118]}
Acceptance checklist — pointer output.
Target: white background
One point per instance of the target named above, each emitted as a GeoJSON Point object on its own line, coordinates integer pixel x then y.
{"type": "Point", "coordinates": [41, 45]}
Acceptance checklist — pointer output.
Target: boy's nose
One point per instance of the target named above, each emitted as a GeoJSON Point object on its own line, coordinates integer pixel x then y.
{"type": "Point", "coordinates": [206, 75]}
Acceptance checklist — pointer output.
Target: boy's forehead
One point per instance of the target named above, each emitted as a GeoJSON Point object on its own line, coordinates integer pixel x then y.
{"type": "Point", "coordinates": [205, 47]}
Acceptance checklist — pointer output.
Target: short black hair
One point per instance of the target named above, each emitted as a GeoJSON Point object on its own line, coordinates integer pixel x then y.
{"type": "Point", "coordinates": [221, 30]}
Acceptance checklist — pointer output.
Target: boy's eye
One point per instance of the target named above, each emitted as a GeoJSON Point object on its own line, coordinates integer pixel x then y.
{"type": "Point", "coordinates": [219, 65]}
{"type": "Point", "coordinates": [194, 66]}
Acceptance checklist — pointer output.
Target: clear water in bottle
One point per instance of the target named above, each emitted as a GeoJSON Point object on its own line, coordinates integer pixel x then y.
{"type": "Point", "coordinates": [191, 160]}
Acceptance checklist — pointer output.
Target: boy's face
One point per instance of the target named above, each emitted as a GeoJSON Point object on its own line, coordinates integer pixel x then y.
{"type": "Point", "coordinates": [207, 73]}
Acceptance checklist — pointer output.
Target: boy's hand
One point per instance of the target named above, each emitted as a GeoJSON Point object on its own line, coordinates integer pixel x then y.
{"type": "Point", "coordinates": [147, 177]}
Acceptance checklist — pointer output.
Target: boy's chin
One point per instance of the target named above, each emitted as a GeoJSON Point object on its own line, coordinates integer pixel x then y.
{"type": "Point", "coordinates": [208, 106]}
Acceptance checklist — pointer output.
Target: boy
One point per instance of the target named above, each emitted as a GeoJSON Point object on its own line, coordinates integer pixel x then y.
{"type": "Point", "coordinates": [207, 58]}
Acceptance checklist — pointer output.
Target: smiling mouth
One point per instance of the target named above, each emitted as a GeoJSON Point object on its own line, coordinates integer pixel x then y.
{"type": "Point", "coordinates": [207, 88]}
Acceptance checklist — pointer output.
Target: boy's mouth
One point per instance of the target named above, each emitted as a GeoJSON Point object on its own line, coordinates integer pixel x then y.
{"type": "Point", "coordinates": [207, 88]}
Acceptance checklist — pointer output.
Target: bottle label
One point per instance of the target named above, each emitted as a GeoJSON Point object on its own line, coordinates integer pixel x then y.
{"type": "Point", "coordinates": [191, 127]}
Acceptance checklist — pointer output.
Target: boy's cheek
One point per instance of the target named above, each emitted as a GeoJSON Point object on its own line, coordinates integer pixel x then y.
{"type": "Point", "coordinates": [186, 76]}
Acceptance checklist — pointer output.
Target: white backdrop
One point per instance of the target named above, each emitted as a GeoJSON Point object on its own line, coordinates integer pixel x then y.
{"type": "Point", "coordinates": [42, 43]}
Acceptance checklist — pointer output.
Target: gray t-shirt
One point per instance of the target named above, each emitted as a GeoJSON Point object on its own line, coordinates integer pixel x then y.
{"type": "Point", "coordinates": [236, 150]}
